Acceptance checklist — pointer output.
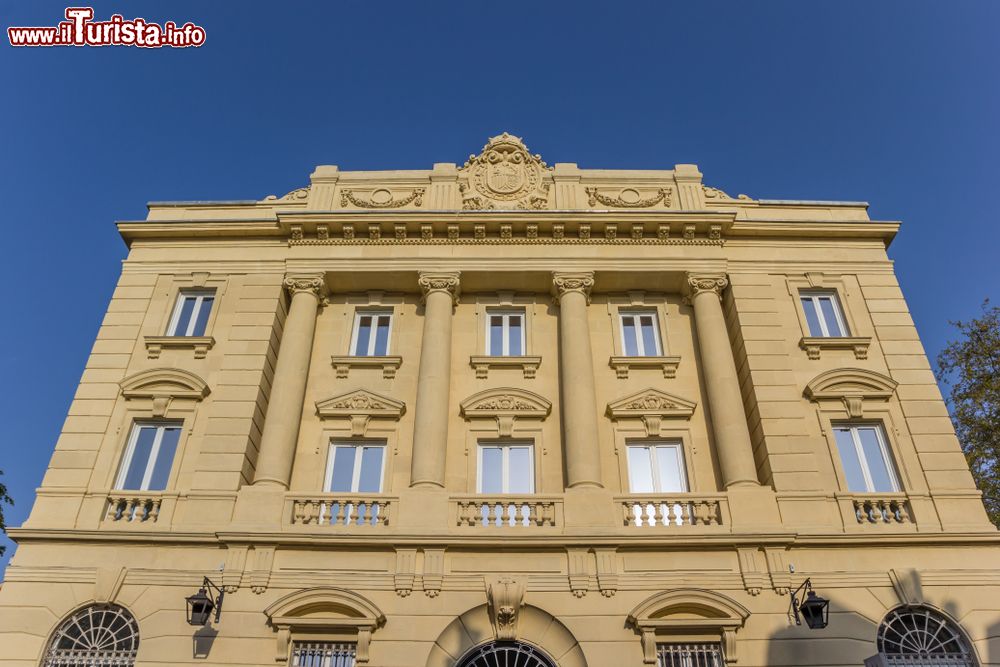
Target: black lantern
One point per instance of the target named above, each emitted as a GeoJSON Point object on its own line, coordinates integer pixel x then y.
{"type": "Point", "coordinates": [814, 609]}
{"type": "Point", "coordinates": [200, 605]}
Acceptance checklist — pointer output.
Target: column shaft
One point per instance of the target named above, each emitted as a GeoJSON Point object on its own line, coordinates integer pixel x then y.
{"type": "Point", "coordinates": [430, 421]}
{"type": "Point", "coordinates": [576, 369]}
{"type": "Point", "coordinates": [725, 402]}
{"type": "Point", "coordinates": [288, 388]}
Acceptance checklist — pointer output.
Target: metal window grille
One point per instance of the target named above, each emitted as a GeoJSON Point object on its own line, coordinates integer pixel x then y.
{"type": "Point", "coordinates": [505, 654]}
{"type": "Point", "coordinates": [323, 654]}
{"type": "Point", "coordinates": [921, 637]}
{"type": "Point", "coordinates": [934, 660]}
{"type": "Point", "coordinates": [689, 655]}
{"type": "Point", "coordinates": [95, 636]}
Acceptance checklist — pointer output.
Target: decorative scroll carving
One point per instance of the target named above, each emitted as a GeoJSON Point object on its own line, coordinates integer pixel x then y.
{"type": "Point", "coordinates": [314, 284]}
{"type": "Point", "coordinates": [651, 406]}
{"type": "Point", "coordinates": [563, 283]}
{"type": "Point", "coordinates": [360, 406]}
{"type": "Point", "coordinates": [717, 194]}
{"type": "Point", "coordinates": [440, 282]}
{"type": "Point", "coordinates": [698, 283]}
{"type": "Point", "coordinates": [629, 198]}
{"type": "Point", "coordinates": [505, 401]}
{"type": "Point", "coordinates": [382, 198]}
{"type": "Point", "coordinates": [297, 195]}
{"type": "Point", "coordinates": [505, 596]}
{"type": "Point", "coordinates": [504, 175]}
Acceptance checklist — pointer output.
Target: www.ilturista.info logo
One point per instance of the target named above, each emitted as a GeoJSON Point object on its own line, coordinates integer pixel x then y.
{"type": "Point", "coordinates": [79, 29]}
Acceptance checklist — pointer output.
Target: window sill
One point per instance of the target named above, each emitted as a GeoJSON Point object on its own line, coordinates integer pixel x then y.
{"type": "Point", "coordinates": [200, 344]}
{"type": "Point", "coordinates": [813, 345]}
{"type": "Point", "coordinates": [344, 364]}
{"type": "Point", "coordinates": [483, 364]}
{"type": "Point", "coordinates": [623, 365]}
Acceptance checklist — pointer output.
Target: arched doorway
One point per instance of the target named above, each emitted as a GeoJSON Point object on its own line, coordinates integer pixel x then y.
{"type": "Point", "coordinates": [505, 654]}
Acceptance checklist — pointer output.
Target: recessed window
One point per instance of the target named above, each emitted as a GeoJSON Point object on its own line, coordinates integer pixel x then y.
{"type": "Point", "coordinates": [505, 333]}
{"type": "Point", "coordinates": [656, 468]}
{"type": "Point", "coordinates": [866, 459]}
{"type": "Point", "coordinates": [149, 456]}
{"type": "Point", "coordinates": [191, 313]}
{"type": "Point", "coordinates": [355, 467]}
{"type": "Point", "coordinates": [689, 655]}
{"type": "Point", "coordinates": [371, 333]}
{"type": "Point", "coordinates": [640, 335]}
{"type": "Point", "coordinates": [506, 468]}
{"type": "Point", "coordinates": [323, 654]}
{"type": "Point", "coordinates": [823, 314]}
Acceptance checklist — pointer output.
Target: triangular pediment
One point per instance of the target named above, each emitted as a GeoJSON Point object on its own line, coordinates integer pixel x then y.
{"type": "Point", "coordinates": [360, 402]}
{"type": "Point", "coordinates": [506, 401]}
{"type": "Point", "coordinates": [651, 402]}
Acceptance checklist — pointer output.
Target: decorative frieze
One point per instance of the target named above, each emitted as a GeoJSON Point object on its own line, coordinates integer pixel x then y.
{"type": "Point", "coordinates": [629, 198]}
{"type": "Point", "coordinates": [381, 199]}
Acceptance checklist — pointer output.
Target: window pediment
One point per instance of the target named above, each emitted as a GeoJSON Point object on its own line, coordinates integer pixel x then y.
{"type": "Point", "coordinates": [844, 383]}
{"type": "Point", "coordinates": [360, 403]}
{"type": "Point", "coordinates": [688, 611]}
{"type": "Point", "coordinates": [164, 383]}
{"type": "Point", "coordinates": [651, 403]}
{"type": "Point", "coordinates": [506, 402]}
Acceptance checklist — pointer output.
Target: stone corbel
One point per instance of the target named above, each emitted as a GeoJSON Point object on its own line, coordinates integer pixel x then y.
{"type": "Point", "coordinates": [433, 576]}
{"type": "Point", "coordinates": [403, 578]}
{"type": "Point", "coordinates": [232, 573]}
{"type": "Point", "coordinates": [579, 572]}
{"type": "Point", "coordinates": [505, 596]}
{"type": "Point", "coordinates": [777, 567]}
{"type": "Point", "coordinates": [755, 579]}
{"type": "Point", "coordinates": [260, 575]}
{"type": "Point", "coordinates": [607, 571]}
{"type": "Point", "coordinates": [648, 646]}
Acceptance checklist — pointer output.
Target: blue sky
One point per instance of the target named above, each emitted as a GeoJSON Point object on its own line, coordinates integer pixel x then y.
{"type": "Point", "coordinates": [895, 103]}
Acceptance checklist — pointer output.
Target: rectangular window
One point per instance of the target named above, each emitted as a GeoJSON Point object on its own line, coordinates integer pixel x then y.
{"type": "Point", "coordinates": [505, 333]}
{"type": "Point", "coordinates": [823, 314]}
{"type": "Point", "coordinates": [149, 456]}
{"type": "Point", "coordinates": [371, 333]}
{"type": "Point", "coordinates": [507, 468]}
{"type": "Point", "coordinates": [323, 654]}
{"type": "Point", "coordinates": [191, 313]}
{"type": "Point", "coordinates": [640, 335]}
{"type": "Point", "coordinates": [656, 468]}
{"type": "Point", "coordinates": [355, 467]}
{"type": "Point", "coordinates": [866, 459]}
{"type": "Point", "coordinates": [689, 655]}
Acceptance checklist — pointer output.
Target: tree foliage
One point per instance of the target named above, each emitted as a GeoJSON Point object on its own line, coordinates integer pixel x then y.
{"type": "Point", "coordinates": [4, 499]}
{"type": "Point", "coordinates": [970, 366]}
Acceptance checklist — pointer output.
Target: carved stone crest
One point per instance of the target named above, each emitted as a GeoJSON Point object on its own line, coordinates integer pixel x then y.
{"type": "Point", "coordinates": [504, 175]}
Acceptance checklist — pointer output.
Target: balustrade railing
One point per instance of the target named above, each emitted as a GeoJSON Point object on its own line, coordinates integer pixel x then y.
{"type": "Point", "coordinates": [508, 511]}
{"type": "Point", "coordinates": [342, 509]}
{"type": "Point", "coordinates": [128, 507]}
{"type": "Point", "coordinates": [671, 510]}
{"type": "Point", "coordinates": [885, 508]}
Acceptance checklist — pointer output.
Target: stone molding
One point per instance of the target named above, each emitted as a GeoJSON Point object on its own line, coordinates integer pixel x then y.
{"type": "Point", "coordinates": [813, 345]}
{"type": "Point", "coordinates": [623, 364]}
{"type": "Point", "coordinates": [528, 364]}
{"type": "Point", "coordinates": [506, 405]}
{"type": "Point", "coordinates": [343, 363]}
{"type": "Point", "coordinates": [381, 198]}
{"type": "Point", "coordinates": [163, 386]}
{"type": "Point", "coordinates": [360, 406]}
{"type": "Point", "coordinates": [200, 344]}
{"type": "Point", "coordinates": [651, 406]}
{"type": "Point", "coordinates": [853, 386]}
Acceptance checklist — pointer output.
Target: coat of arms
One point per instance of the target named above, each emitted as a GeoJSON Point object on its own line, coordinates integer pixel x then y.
{"type": "Point", "coordinates": [505, 174]}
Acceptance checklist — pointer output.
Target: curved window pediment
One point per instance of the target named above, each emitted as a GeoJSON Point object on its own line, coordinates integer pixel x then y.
{"type": "Point", "coordinates": [164, 383]}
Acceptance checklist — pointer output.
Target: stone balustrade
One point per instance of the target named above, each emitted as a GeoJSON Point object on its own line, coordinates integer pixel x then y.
{"type": "Point", "coordinates": [133, 507]}
{"type": "Point", "coordinates": [342, 509]}
{"type": "Point", "coordinates": [680, 509]}
{"type": "Point", "coordinates": [884, 508]}
{"type": "Point", "coordinates": [504, 511]}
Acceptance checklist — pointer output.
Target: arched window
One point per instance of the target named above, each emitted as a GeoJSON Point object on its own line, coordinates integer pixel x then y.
{"type": "Point", "coordinates": [918, 635]}
{"type": "Point", "coordinates": [102, 634]}
{"type": "Point", "coordinates": [508, 654]}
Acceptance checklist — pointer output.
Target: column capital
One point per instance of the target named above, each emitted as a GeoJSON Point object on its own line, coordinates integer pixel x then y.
{"type": "Point", "coordinates": [697, 283]}
{"type": "Point", "coordinates": [313, 283]}
{"type": "Point", "coordinates": [564, 282]}
{"type": "Point", "coordinates": [440, 281]}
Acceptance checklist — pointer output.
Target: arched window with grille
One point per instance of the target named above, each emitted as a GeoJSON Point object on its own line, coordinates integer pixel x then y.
{"type": "Point", "coordinates": [922, 637]}
{"type": "Point", "coordinates": [102, 634]}
{"type": "Point", "coordinates": [508, 654]}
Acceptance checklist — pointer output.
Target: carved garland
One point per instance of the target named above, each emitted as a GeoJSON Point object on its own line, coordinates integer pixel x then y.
{"type": "Point", "coordinates": [415, 197]}
{"type": "Point", "coordinates": [663, 194]}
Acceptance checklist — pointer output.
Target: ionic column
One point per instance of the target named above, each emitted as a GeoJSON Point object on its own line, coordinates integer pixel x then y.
{"type": "Point", "coordinates": [576, 371]}
{"type": "Point", "coordinates": [288, 388]}
{"type": "Point", "coordinates": [725, 402]}
{"type": "Point", "coordinates": [430, 420]}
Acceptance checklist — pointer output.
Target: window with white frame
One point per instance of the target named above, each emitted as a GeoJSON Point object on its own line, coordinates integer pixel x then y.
{"type": "Point", "coordinates": [656, 467]}
{"type": "Point", "coordinates": [355, 467]}
{"type": "Point", "coordinates": [190, 316]}
{"type": "Point", "coordinates": [149, 456]}
{"type": "Point", "coordinates": [823, 313]}
{"type": "Point", "coordinates": [505, 333]}
{"type": "Point", "coordinates": [640, 333]}
{"type": "Point", "coordinates": [323, 654]}
{"type": "Point", "coordinates": [371, 333]}
{"type": "Point", "coordinates": [865, 457]}
{"type": "Point", "coordinates": [506, 468]}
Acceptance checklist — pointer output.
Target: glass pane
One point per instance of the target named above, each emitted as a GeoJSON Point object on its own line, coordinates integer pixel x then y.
{"type": "Point", "coordinates": [492, 472]}
{"type": "Point", "coordinates": [881, 477]}
{"type": "Point", "coordinates": [520, 471]}
{"type": "Point", "coordinates": [668, 459]}
{"type": "Point", "coordinates": [496, 335]}
{"type": "Point", "coordinates": [648, 335]}
{"type": "Point", "coordinates": [811, 317]}
{"type": "Point", "coordinates": [180, 329]}
{"type": "Point", "coordinates": [849, 458]}
{"type": "Point", "coordinates": [364, 335]}
{"type": "Point", "coordinates": [629, 342]}
{"type": "Point", "coordinates": [640, 471]}
{"type": "Point", "coordinates": [164, 458]}
{"type": "Point", "coordinates": [343, 469]}
{"type": "Point", "coordinates": [826, 304]}
{"type": "Point", "coordinates": [140, 457]}
{"type": "Point", "coordinates": [382, 336]}
{"type": "Point", "coordinates": [371, 470]}
{"type": "Point", "coordinates": [514, 331]}
{"type": "Point", "coordinates": [203, 313]}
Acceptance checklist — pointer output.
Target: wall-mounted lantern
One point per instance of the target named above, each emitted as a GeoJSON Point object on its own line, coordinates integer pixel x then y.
{"type": "Point", "coordinates": [200, 605]}
{"type": "Point", "coordinates": [814, 609]}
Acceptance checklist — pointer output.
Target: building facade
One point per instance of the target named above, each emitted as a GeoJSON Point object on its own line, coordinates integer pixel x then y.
{"type": "Point", "coordinates": [506, 414]}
